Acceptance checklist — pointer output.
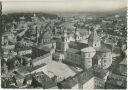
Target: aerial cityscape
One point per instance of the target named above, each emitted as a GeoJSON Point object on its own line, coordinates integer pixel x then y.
{"type": "Point", "coordinates": [64, 50]}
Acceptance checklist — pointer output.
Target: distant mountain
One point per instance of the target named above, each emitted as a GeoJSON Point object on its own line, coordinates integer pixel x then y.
{"type": "Point", "coordinates": [121, 11]}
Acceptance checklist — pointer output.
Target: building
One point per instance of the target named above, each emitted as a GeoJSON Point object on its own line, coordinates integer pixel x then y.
{"type": "Point", "coordinates": [6, 37]}
{"type": "Point", "coordinates": [82, 80]}
{"type": "Point", "coordinates": [41, 54]}
{"type": "Point", "coordinates": [79, 54]}
{"type": "Point", "coordinates": [123, 67]}
{"type": "Point", "coordinates": [93, 78]}
{"type": "Point", "coordinates": [47, 37]}
{"type": "Point", "coordinates": [18, 80]}
{"type": "Point", "coordinates": [58, 69]}
{"type": "Point", "coordinates": [41, 80]}
{"type": "Point", "coordinates": [94, 40]}
{"type": "Point", "coordinates": [58, 56]}
{"type": "Point", "coordinates": [46, 58]}
{"type": "Point", "coordinates": [62, 43]}
{"type": "Point", "coordinates": [22, 50]}
{"type": "Point", "coordinates": [115, 81]}
{"type": "Point", "coordinates": [103, 56]}
{"type": "Point", "coordinates": [100, 77]}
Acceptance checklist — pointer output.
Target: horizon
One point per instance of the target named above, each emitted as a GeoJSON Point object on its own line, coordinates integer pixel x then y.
{"type": "Point", "coordinates": [61, 6]}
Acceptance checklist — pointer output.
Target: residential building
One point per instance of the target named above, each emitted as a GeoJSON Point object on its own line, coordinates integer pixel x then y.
{"type": "Point", "coordinates": [41, 80]}
{"type": "Point", "coordinates": [115, 81]}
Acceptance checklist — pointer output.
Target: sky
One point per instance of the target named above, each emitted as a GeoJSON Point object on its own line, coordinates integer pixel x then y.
{"type": "Point", "coordinates": [61, 5]}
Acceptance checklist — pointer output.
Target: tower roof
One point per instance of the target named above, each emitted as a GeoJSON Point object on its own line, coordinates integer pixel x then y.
{"type": "Point", "coordinates": [93, 37]}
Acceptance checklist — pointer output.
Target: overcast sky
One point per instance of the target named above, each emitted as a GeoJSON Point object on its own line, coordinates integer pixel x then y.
{"type": "Point", "coordinates": [62, 5]}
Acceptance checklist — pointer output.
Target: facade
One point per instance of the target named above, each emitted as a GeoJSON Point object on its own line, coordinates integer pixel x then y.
{"type": "Point", "coordinates": [79, 54]}
{"type": "Point", "coordinates": [62, 43]}
{"type": "Point", "coordinates": [103, 56]}
{"type": "Point", "coordinates": [58, 56]}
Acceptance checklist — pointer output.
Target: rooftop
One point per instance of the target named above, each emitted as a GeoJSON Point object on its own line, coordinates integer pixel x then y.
{"type": "Point", "coordinates": [117, 80]}
{"type": "Point", "coordinates": [104, 48]}
{"type": "Point", "coordinates": [44, 80]}
{"type": "Point", "coordinates": [58, 69]}
{"type": "Point", "coordinates": [81, 77]}
{"type": "Point", "coordinates": [72, 50]}
{"type": "Point", "coordinates": [99, 72]}
{"type": "Point", "coordinates": [77, 45]}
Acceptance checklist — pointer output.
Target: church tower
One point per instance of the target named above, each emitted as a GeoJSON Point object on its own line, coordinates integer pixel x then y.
{"type": "Point", "coordinates": [94, 40]}
{"type": "Point", "coordinates": [76, 35]}
{"type": "Point", "coordinates": [64, 41]}
{"type": "Point", "coordinates": [62, 44]}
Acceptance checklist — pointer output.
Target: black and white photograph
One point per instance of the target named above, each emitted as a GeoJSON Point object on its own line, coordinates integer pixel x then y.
{"type": "Point", "coordinates": [63, 44]}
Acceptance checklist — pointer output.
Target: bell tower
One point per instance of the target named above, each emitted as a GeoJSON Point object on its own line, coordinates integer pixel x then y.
{"type": "Point", "coordinates": [94, 40]}
{"type": "Point", "coordinates": [64, 44]}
